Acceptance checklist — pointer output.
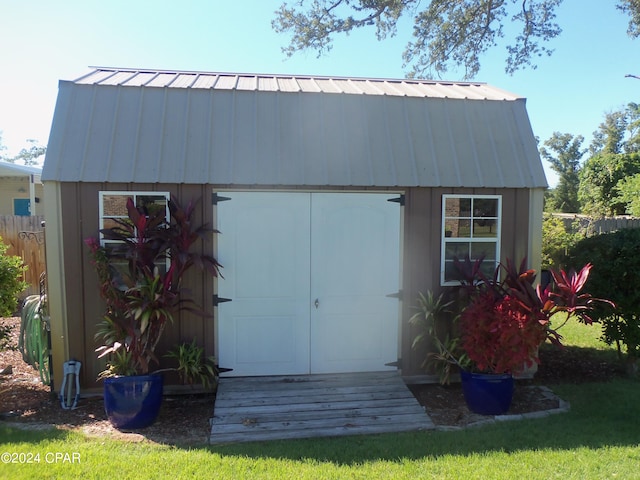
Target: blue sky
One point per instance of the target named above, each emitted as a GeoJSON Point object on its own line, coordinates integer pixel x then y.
{"type": "Point", "coordinates": [44, 41]}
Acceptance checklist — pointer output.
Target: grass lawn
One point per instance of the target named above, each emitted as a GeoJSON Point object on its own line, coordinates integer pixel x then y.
{"type": "Point", "coordinates": [598, 438]}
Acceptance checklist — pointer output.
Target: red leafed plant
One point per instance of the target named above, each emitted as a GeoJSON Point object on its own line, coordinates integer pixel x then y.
{"type": "Point", "coordinates": [507, 319]}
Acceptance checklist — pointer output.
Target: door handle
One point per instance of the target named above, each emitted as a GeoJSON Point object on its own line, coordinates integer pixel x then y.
{"type": "Point", "coordinates": [317, 303]}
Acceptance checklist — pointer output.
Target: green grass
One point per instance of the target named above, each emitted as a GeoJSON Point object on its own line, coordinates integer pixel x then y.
{"type": "Point", "coordinates": [579, 335]}
{"type": "Point", "coordinates": [584, 340]}
{"type": "Point", "coordinates": [597, 438]}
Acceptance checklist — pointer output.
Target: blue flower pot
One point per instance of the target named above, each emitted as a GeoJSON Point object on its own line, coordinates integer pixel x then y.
{"type": "Point", "coordinates": [132, 402]}
{"type": "Point", "coordinates": [487, 394]}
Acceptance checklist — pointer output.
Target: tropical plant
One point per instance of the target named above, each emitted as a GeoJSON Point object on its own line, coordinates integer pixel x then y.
{"type": "Point", "coordinates": [507, 318]}
{"type": "Point", "coordinates": [193, 365]}
{"type": "Point", "coordinates": [11, 281]}
{"type": "Point", "coordinates": [431, 321]}
{"type": "Point", "coordinates": [143, 297]}
{"type": "Point", "coordinates": [503, 320]}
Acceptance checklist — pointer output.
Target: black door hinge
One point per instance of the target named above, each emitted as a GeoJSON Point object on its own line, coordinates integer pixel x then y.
{"type": "Point", "coordinates": [397, 363]}
{"type": "Point", "coordinates": [218, 300]}
{"type": "Point", "coordinates": [215, 198]}
{"type": "Point", "coordinates": [399, 200]}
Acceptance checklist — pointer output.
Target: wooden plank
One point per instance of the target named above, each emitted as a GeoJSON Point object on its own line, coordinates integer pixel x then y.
{"type": "Point", "coordinates": [307, 397]}
{"type": "Point", "coordinates": [250, 425]}
{"type": "Point", "coordinates": [345, 405]}
{"type": "Point", "coordinates": [240, 416]}
{"type": "Point", "coordinates": [312, 433]}
{"type": "Point", "coordinates": [292, 390]}
{"type": "Point", "coordinates": [247, 383]}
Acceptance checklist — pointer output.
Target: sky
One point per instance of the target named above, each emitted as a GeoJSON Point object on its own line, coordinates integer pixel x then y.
{"type": "Point", "coordinates": [45, 41]}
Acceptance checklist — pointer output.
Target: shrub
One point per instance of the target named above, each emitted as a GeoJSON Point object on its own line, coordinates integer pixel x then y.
{"type": "Point", "coordinates": [616, 260]}
{"type": "Point", "coordinates": [11, 283]}
{"type": "Point", "coordinates": [556, 241]}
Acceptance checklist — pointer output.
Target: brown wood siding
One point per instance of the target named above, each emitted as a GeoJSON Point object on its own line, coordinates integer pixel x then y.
{"type": "Point", "coordinates": [421, 262]}
{"type": "Point", "coordinates": [84, 306]}
{"type": "Point", "coordinates": [422, 237]}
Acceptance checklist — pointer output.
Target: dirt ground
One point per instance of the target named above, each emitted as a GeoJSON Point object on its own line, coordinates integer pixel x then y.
{"type": "Point", "coordinates": [184, 419]}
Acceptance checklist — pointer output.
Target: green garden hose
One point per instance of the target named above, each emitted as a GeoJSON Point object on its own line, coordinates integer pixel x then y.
{"type": "Point", "coordinates": [33, 342]}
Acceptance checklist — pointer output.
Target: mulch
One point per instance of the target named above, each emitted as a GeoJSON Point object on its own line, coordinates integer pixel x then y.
{"type": "Point", "coordinates": [184, 419]}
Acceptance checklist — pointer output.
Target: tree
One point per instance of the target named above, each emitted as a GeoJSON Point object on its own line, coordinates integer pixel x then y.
{"type": "Point", "coordinates": [629, 189]}
{"type": "Point", "coordinates": [599, 179]}
{"type": "Point", "coordinates": [619, 133]}
{"type": "Point", "coordinates": [564, 156]}
{"type": "Point", "coordinates": [608, 138]}
{"type": "Point", "coordinates": [445, 33]}
{"type": "Point", "coordinates": [30, 156]}
{"type": "Point", "coordinates": [556, 242]}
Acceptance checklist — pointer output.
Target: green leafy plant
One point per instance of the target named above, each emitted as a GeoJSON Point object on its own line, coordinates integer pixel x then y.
{"type": "Point", "coordinates": [145, 296]}
{"type": "Point", "coordinates": [616, 260]}
{"type": "Point", "coordinates": [432, 313]}
{"type": "Point", "coordinates": [11, 281]}
{"type": "Point", "coordinates": [193, 365]}
{"type": "Point", "coordinates": [556, 242]}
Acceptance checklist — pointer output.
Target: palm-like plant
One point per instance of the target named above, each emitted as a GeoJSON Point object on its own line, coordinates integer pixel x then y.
{"type": "Point", "coordinates": [146, 296]}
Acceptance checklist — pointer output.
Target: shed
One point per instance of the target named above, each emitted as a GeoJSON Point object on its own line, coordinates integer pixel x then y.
{"type": "Point", "coordinates": [337, 199]}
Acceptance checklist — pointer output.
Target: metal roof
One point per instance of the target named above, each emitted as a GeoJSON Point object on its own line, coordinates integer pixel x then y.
{"type": "Point", "coordinates": [142, 126]}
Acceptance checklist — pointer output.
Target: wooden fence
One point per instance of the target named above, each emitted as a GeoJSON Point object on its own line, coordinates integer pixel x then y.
{"type": "Point", "coordinates": [25, 238]}
{"type": "Point", "coordinates": [596, 226]}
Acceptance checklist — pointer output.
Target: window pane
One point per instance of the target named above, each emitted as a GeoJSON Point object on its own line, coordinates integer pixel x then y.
{"type": "Point", "coordinates": [486, 250]}
{"type": "Point", "coordinates": [453, 250]}
{"type": "Point", "coordinates": [457, 228]}
{"type": "Point", "coordinates": [114, 205]}
{"type": "Point", "coordinates": [485, 227]}
{"type": "Point", "coordinates": [488, 268]}
{"type": "Point", "coordinates": [109, 223]}
{"type": "Point", "coordinates": [485, 207]}
{"type": "Point", "coordinates": [152, 203]}
{"type": "Point", "coordinates": [458, 207]}
{"type": "Point", "coordinates": [451, 273]}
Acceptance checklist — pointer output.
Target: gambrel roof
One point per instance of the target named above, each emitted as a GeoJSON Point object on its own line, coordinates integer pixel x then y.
{"type": "Point", "coordinates": [143, 126]}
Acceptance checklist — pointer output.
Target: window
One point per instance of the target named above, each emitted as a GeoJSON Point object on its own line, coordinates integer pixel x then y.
{"type": "Point", "coordinates": [470, 228]}
{"type": "Point", "coordinates": [113, 206]}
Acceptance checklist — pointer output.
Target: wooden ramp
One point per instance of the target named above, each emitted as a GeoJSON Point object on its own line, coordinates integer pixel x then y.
{"type": "Point", "coordinates": [272, 408]}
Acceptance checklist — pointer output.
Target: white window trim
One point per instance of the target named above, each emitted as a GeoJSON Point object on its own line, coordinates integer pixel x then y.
{"type": "Point", "coordinates": [444, 239]}
{"type": "Point", "coordinates": [133, 195]}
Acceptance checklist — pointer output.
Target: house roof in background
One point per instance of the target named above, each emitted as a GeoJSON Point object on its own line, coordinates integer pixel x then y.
{"type": "Point", "coordinates": [8, 169]}
{"type": "Point", "coordinates": [142, 126]}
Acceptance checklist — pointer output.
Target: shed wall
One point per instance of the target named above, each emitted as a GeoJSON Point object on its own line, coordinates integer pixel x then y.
{"type": "Point", "coordinates": [420, 264]}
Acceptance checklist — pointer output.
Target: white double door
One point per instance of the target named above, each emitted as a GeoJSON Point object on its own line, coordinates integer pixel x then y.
{"type": "Point", "coordinates": [308, 275]}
